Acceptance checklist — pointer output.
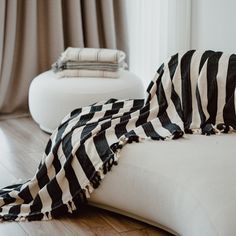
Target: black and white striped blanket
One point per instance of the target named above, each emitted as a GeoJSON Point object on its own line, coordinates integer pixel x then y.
{"type": "Point", "coordinates": [194, 91]}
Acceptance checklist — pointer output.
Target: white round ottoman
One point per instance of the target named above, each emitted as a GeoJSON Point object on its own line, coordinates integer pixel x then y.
{"type": "Point", "coordinates": [51, 98]}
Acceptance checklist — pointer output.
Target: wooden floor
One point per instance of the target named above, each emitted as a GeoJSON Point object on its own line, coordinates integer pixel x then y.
{"type": "Point", "coordinates": [21, 147]}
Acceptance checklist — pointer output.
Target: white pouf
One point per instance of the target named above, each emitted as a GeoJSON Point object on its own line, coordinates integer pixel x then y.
{"type": "Point", "coordinates": [51, 98]}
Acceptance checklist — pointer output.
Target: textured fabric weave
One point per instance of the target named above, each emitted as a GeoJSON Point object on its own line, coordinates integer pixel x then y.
{"type": "Point", "coordinates": [68, 73]}
{"type": "Point", "coordinates": [192, 92]}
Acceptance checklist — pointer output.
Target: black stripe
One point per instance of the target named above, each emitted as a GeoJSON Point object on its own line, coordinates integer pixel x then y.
{"type": "Point", "coordinates": [73, 182]}
{"type": "Point", "coordinates": [150, 131]}
{"type": "Point", "coordinates": [48, 147]}
{"type": "Point", "coordinates": [203, 60]}
{"type": "Point", "coordinates": [111, 100]}
{"type": "Point", "coordinates": [67, 142]}
{"type": "Point", "coordinates": [73, 114]}
{"type": "Point", "coordinates": [229, 108]}
{"type": "Point", "coordinates": [114, 109]}
{"type": "Point", "coordinates": [102, 146]}
{"type": "Point", "coordinates": [212, 89]}
{"type": "Point", "coordinates": [26, 195]}
{"type": "Point", "coordinates": [8, 199]}
{"type": "Point", "coordinates": [144, 113]}
{"type": "Point", "coordinates": [138, 103]}
{"type": "Point", "coordinates": [149, 88]}
{"type": "Point", "coordinates": [117, 105]}
{"type": "Point", "coordinates": [161, 98]}
{"type": "Point", "coordinates": [120, 128]}
{"type": "Point", "coordinates": [35, 209]}
{"type": "Point", "coordinates": [186, 88]}
{"type": "Point", "coordinates": [167, 124]}
{"type": "Point", "coordinates": [76, 112]}
{"type": "Point", "coordinates": [110, 113]}
{"type": "Point", "coordinates": [14, 211]}
{"type": "Point", "coordinates": [160, 71]}
{"type": "Point", "coordinates": [96, 108]}
{"type": "Point", "coordinates": [55, 193]}
{"type": "Point", "coordinates": [84, 119]}
{"type": "Point", "coordinates": [200, 109]}
{"type": "Point", "coordinates": [204, 57]}
{"type": "Point", "coordinates": [86, 132]}
{"type": "Point", "coordinates": [11, 187]}
{"type": "Point", "coordinates": [160, 92]}
{"type": "Point", "coordinates": [106, 125]}
{"type": "Point", "coordinates": [130, 133]}
{"type": "Point", "coordinates": [172, 65]}
{"type": "Point", "coordinates": [56, 162]}
{"type": "Point", "coordinates": [177, 102]}
{"type": "Point", "coordinates": [149, 97]}
{"type": "Point", "coordinates": [85, 162]}
{"type": "Point", "coordinates": [61, 131]}
{"type": "Point", "coordinates": [42, 176]}
{"type": "Point", "coordinates": [161, 68]}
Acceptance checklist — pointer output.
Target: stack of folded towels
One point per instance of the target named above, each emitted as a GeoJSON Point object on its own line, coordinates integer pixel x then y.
{"type": "Point", "coordinates": [90, 62]}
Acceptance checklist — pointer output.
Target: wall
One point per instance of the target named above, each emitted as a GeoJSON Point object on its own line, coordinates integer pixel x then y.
{"type": "Point", "coordinates": [214, 25]}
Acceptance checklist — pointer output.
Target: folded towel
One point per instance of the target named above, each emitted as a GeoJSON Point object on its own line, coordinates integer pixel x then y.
{"type": "Point", "coordinates": [88, 73]}
{"type": "Point", "coordinates": [89, 66]}
{"type": "Point", "coordinates": [92, 55]}
{"type": "Point", "coordinates": [90, 59]}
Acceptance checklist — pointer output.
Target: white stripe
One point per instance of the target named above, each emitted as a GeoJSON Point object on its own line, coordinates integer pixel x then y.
{"type": "Point", "coordinates": [171, 109]}
{"type": "Point", "coordinates": [152, 91]}
{"type": "Point", "coordinates": [160, 129]}
{"type": "Point", "coordinates": [202, 87]}
{"type": "Point", "coordinates": [221, 85]}
{"type": "Point", "coordinates": [194, 72]}
{"type": "Point", "coordinates": [45, 199]}
{"type": "Point", "coordinates": [91, 151]}
{"type": "Point", "coordinates": [177, 78]}
{"type": "Point", "coordinates": [235, 101]}
{"type": "Point", "coordinates": [80, 175]}
{"type": "Point", "coordinates": [64, 185]}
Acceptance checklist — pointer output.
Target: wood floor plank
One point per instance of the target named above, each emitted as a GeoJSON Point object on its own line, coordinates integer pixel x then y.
{"type": "Point", "coordinates": [78, 227]}
{"type": "Point", "coordinates": [89, 222]}
{"type": "Point", "coordinates": [121, 223]}
{"type": "Point", "coordinates": [17, 136]}
{"type": "Point", "coordinates": [151, 231]}
{"type": "Point", "coordinates": [6, 177]}
{"type": "Point", "coordinates": [11, 229]}
{"type": "Point", "coordinates": [45, 228]}
{"type": "Point", "coordinates": [22, 165]}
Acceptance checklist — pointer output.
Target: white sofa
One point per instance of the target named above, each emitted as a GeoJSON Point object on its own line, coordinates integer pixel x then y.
{"type": "Point", "coordinates": [186, 186]}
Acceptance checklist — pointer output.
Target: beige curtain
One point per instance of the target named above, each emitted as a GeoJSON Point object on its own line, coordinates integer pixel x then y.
{"type": "Point", "coordinates": [33, 33]}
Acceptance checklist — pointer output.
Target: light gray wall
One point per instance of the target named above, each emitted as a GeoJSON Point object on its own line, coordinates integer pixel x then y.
{"type": "Point", "coordinates": [214, 25]}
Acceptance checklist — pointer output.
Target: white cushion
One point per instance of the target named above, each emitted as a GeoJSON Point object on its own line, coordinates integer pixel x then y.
{"type": "Point", "coordinates": [187, 186]}
{"type": "Point", "coordinates": [51, 98]}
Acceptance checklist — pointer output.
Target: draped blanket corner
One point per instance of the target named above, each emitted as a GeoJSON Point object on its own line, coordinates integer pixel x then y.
{"type": "Point", "coordinates": [193, 91]}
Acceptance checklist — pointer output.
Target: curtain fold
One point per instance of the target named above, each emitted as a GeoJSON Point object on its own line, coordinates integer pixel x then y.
{"type": "Point", "coordinates": [33, 33]}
